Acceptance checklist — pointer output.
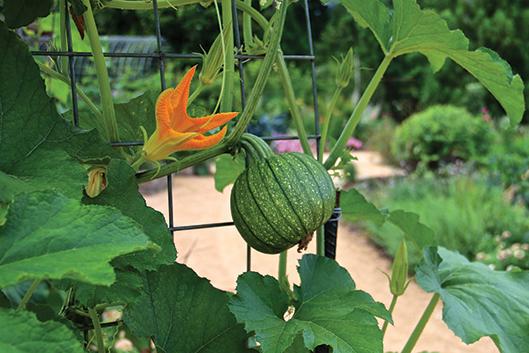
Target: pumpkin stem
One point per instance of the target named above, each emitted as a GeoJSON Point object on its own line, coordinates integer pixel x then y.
{"type": "Point", "coordinates": [256, 149]}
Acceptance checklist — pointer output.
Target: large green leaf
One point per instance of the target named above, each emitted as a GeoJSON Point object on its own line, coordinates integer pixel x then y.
{"type": "Point", "coordinates": [184, 313]}
{"type": "Point", "coordinates": [29, 122]}
{"type": "Point", "coordinates": [122, 193]}
{"type": "Point", "coordinates": [227, 170]}
{"type": "Point", "coordinates": [372, 14]}
{"type": "Point", "coordinates": [409, 29]}
{"type": "Point", "coordinates": [328, 310]}
{"type": "Point", "coordinates": [21, 332]}
{"type": "Point", "coordinates": [424, 31]}
{"type": "Point", "coordinates": [123, 291]}
{"type": "Point", "coordinates": [356, 208]}
{"type": "Point", "coordinates": [48, 235]}
{"type": "Point", "coordinates": [415, 232]}
{"type": "Point", "coordinates": [19, 13]}
{"type": "Point", "coordinates": [477, 301]}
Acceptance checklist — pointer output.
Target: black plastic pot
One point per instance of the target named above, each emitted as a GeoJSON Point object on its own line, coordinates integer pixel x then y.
{"type": "Point", "coordinates": [331, 230]}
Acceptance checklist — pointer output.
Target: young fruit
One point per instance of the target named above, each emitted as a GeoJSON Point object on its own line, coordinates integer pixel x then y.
{"type": "Point", "coordinates": [280, 200]}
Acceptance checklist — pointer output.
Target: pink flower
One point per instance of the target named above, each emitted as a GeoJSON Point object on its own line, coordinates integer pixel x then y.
{"type": "Point", "coordinates": [354, 143]}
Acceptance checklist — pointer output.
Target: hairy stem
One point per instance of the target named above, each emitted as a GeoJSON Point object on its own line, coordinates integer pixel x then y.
{"type": "Point", "coordinates": [29, 294]}
{"type": "Point", "coordinates": [326, 123]}
{"type": "Point", "coordinates": [355, 117]}
{"type": "Point", "coordinates": [94, 316]}
{"type": "Point", "coordinates": [262, 77]}
{"type": "Point", "coordinates": [292, 104]}
{"type": "Point", "coordinates": [109, 115]}
{"type": "Point", "coordinates": [412, 341]}
{"type": "Point", "coordinates": [391, 308]}
{"type": "Point", "coordinates": [226, 103]}
{"type": "Point", "coordinates": [247, 26]}
{"type": "Point", "coordinates": [57, 75]}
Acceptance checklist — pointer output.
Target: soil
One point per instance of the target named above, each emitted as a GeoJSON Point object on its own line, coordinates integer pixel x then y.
{"type": "Point", "coordinates": [219, 254]}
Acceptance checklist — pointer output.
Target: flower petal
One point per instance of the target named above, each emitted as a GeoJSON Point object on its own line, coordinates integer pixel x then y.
{"type": "Point", "coordinates": [211, 122]}
{"type": "Point", "coordinates": [171, 105]}
{"type": "Point", "coordinates": [201, 142]}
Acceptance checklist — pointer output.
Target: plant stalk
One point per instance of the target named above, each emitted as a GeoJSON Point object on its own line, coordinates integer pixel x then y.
{"type": "Point", "coordinates": [109, 115]}
{"type": "Point", "coordinates": [326, 123]}
{"type": "Point", "coordinates": [57, 75]}
{"type": "Point", "coordinates": [292, 104]}
{"type": "Point", "coordinates": [62, 25]}
{"type": "Point", "coordinates": [94, 316]}
{"type": "Point", "coordinates": [282, 272]}
{"type": "Point", "coordinates": [262, 77]}
{"type": "Point", "coordinates": [412, 341]}
{"type": "Point", "coordinates": [355, 117]}
{"type": "Point", "coordinates": [29, 294]}
{"type": "Point", "coordinates": [320, 241]}
{"type": "Point", "coordinates": [391, 308]}
{"type": "Point", "coordinates": [247, 26]}
{"type": "Point", "coordinates": [226, 103]}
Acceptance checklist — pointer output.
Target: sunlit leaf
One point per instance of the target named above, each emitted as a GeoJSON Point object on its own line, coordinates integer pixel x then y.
{"type": "Point", "coordinates": [478, 302]}
{"type": "Point", "coordinates": [328, 310]}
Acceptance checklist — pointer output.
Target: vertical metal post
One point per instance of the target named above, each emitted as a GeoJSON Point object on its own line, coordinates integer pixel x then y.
{"type": "Point", "coordinates": [161, 61]}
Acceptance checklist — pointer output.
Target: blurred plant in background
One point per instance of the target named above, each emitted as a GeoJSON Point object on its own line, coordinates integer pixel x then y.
{"type": "Point", "coordinates": [466, 213]}
{"type": "Point", "coordinates": [441, 135]}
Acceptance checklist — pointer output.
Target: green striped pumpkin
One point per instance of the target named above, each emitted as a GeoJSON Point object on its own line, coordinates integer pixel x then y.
{"type": "Point", "coordinates": [279, 200]}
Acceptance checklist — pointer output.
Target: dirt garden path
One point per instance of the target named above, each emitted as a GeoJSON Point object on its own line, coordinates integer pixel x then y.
{"type": "Point", "coordinates": [219, 254]}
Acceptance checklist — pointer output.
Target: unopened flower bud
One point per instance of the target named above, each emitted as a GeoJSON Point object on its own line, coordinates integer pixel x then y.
{"type": "Point", "coordinates": [399, 271]}
{"type": "Point", "coordinates": [97, 181]}
{"type": "Point", "coordinates": [345, 72]}
{"type": "Point", "coordinates": [213, 61]}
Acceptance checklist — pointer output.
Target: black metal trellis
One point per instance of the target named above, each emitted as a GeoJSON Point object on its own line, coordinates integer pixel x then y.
{"type": "Point", "coordinates": [161, 57]}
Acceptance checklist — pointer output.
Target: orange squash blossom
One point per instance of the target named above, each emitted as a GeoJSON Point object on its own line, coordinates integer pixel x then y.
{"type": "Point", "coordinates": [176, 130]}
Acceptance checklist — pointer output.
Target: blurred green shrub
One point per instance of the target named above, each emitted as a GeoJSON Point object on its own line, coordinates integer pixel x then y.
{"type": "Point", "coordinates": [466, 214]}
{"type": "Point", "coordinates": [508, 164]}
{"type": "Point", "coordinates": [441, 135]}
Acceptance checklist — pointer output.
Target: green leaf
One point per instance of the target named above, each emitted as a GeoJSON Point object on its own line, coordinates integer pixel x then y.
{"type": "Point", "coordinates": [329, 310]}
{"type": "Point", "coordinates": [416, 232]}
{"type": "Point", "coordinates": [227, 170]}
{"type": "Point", "coordinates": [20, 13]}
{"type": "Point", "coordinates": [477, 301]}
{"type": "Point", "coordinates": [49, 236]}
{"type": "Point", "coordinates": [122, 193]}
{"type": "Point", "coordinates": [356, 208]}
{"type": "Point", "coordinates": [30, 122]}
{"type": "Point", "coordinates": [130, 116]}
{"type": "Point", "coordinates": [125, 290]}
{"type": "Point", "coordinates": [21, 332]}
{"type": "Point", "coordinates": [371, 14]}
{"type": "Point", "coordinates": [424, 31]}
{"type": "Point", "coordinates": [184, 313]}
